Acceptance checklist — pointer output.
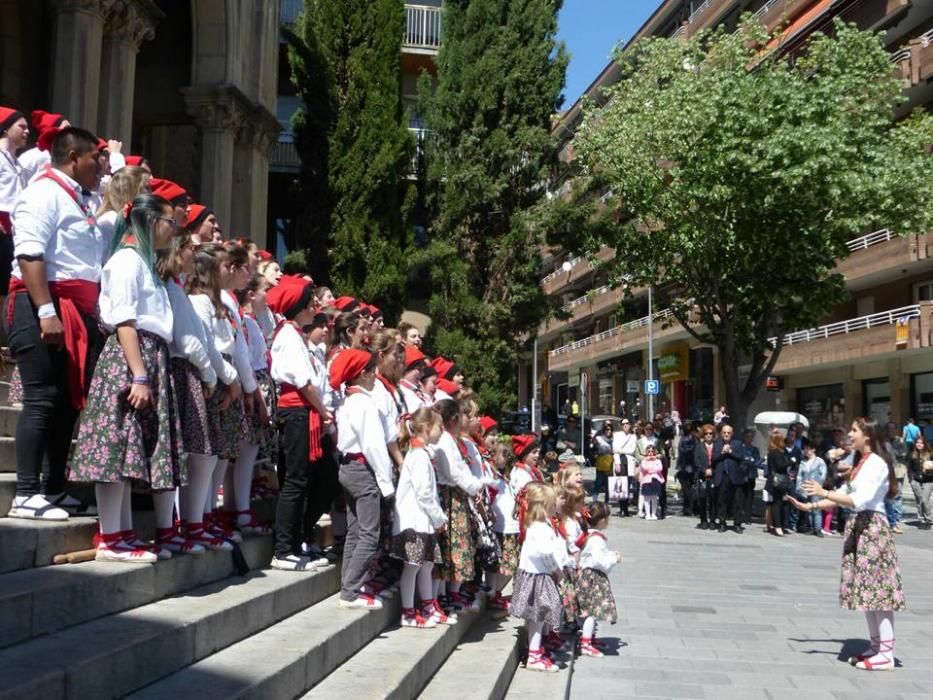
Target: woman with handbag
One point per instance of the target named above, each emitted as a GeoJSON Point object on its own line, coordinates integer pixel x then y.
{"type": "Point", "coordinates": [778, 484]}
{"type": "Point", "coordinates": [871, 577]}
{"type": "Point", "coordinates": [920, 466]}
{"type": "Point", "coordinates": [602, 448]}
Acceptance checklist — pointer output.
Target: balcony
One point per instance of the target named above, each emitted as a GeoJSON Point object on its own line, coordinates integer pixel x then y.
{"type": "Point", "coordinates": [857, 339]}
{"type": "Point", "coordinates": [579, 267]}
{"type": "Point", "coordinates": [914, 62]}
{"type": "Point", "coordinates": [284, 156]}
{"type": "Point", "coordinates": [422, 29]}
{"type": "Point", "coordinates": [624, 338]}
{"type": "Point", "coordinates": [883, 255]}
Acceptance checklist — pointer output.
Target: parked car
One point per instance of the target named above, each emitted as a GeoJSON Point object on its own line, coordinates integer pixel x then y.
{"type": "Point", "coordinates": [515, 423]}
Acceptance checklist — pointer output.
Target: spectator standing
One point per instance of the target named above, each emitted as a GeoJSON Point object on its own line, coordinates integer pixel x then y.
{"type": "Point", "coordinates": [729, 478]}
{"type": "Point", "coordinates": [686, 468]}
{"type": "Point", "coordinates": [602, 450]}
{"type": "Point", "coordinates": [920, 471]}
{"type": "Point", "coordinates": [812, 468]}
{"type": "Point", "coordinates": [779, 480]}
{"type": "Point", "coordinates": [703, 461]}
{"type": "Point", "coordinates": [897, 446]}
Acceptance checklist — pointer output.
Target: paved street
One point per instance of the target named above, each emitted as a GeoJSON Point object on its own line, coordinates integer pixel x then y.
{"type": "Point", "coordinates": [710, 615]}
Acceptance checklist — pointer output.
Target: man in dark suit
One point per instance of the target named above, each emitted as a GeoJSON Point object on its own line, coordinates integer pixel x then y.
{"type": "Point", "coordinates": [705, 504]}
{"type": "Point", "coordinates": [729, 477]}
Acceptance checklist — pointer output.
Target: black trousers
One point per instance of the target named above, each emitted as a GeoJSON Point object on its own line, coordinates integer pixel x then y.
{"type": "Point", "coordinates": [705, 505]}
{"type": "Point", "coordinates": [686, 491]}
{"type": "Point", "coordinates": [305, 491]}
{"type": "Point", "coordinates": [46, 424]}
{"type": "Point", "coordinates": [731, 498]}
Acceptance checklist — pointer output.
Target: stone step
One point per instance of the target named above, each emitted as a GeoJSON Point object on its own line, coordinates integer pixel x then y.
{"type": "Point", "coordinates": [482, 665]}
{"type": "Point", "coordinates": [4, 391]}
{"type": "Point", "coordinates": [8, 490]}
{"type": "Point", "coordinates": [7, 455]}
{"type": "Point", "coordinates": [282, 661]}
{"type": "Point", "coordinates": [113, 656]}
{"type": "Point", "coordinates": [397, 664]}
{"type": "Point", "coordinates": [35, 602]}
{"type": "Point", "coordinates": [537, 685]}
{"type": "Point", "coordinates": [9, 415]}
{"type": "Point", "coordinates": [29, 543]}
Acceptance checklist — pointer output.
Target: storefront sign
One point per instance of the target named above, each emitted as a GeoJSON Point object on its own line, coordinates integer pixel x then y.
{"type": "Point", "coordinates": [632, 386]}
{"type": "Point", "coordinates": [773, 383]}
{"type": "Point", "coordinates": [674, 363]}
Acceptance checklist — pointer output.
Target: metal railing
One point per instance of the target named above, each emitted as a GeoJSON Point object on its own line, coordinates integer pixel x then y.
{"type": "Point", "coordinates": [699, 9]}
{"type": "Point", "coordinates": [870, 239]}
{"type": "Point", "coordinates": [284, 154]}
{"type": "Point", "coordinates": [926, 38]}
{"type": "Point", "coordinates": [764, 8]}
{"type": "Point", "coordinates": [560, 270]}
{"type": "Point", "coordinates": [900, 55]}
{"type": "Point", "coordinates": [884, 318]}
{"type": "Point", "coordinates": [589, 296]}
{"type": "Point", "coordinates": [422, 26]}
{"type": "Point", "coordinates": [614, 331]}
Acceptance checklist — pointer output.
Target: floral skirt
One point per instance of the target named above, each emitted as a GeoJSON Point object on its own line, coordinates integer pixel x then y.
{"type": "Point", "coordinates": [457, 541]}
{"type": "Point", "coordinates": [192, 409]}
{"type": "Point", "coordinates": [594, 596]}
{"type": "Point", "coordinates": [535, 598]}
{"type": "Point", "coordinates": [268, 436]}
{"type": "Point", "coordinates": [227, 427]}
{"type": "Point", "coordinates": [511, 548]}
{"type": "Point", "coordinates": [871, 577]}
{"type": "Point", "coordinates": [118, 443]}
{"type": "Point", "coordinates": [416, 547]}
{"type": "Point", "coordinates": [568, 593]}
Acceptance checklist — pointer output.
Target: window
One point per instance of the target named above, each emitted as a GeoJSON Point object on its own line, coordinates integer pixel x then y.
{"type": "Point", "coordinates": [923, 291]}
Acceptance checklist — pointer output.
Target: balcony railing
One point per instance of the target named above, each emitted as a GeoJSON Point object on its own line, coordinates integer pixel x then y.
{"type": "Point", "coordinates": [615, 330]}
{"type": "Point", "coordinates": [870, 239]}
{"type": "Point", "coordinates": [698, 10]}
{"type": "Point", "coordinates": [422, 27]}
{"type": "Point", "coordinates": [284, 155]}
{"type": "Point", "coordinates": [884, 318]}
{"type": "Point", "coordinates": [761, 11]}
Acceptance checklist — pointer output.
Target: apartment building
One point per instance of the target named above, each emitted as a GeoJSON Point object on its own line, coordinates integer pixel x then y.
{"type": "Point", "coordinates": [420, 44]}
{"type": "Point", "coordinates": [872, 354]}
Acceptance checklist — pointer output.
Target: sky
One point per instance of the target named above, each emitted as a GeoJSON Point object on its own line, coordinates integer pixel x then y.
{"type": "Point", "coordinates": [590, 29]}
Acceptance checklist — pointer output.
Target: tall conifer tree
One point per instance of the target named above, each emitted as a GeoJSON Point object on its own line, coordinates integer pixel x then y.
{"type": "Point", "coordinates": [355, 146]}
{"type": "Point", "coordinates": [490, 153]}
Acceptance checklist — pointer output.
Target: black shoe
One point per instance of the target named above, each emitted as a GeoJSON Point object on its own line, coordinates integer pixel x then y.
{"type": "Point", "coordinates": [722, 527]}
{"type": "Point", "coordinates": [702, 526]}
{"type": "Point", "coordinates": [818, 533]}
{"type": "Point", "coordinates": [739, 529]}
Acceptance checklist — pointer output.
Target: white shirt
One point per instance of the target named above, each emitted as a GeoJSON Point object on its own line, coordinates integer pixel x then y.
{"type": "Point", "coordinates": [107, 223]}
{"type": "Point", "coordinates": [452, 470]}
{"type": "Point", "coordinates": [573, 530]}
{"type": "Point", "coordinates": [596, 554]}
{"type": "Point", "coordinates": [473, 458]}
{"type": "Point", "coordinates": [359, 431]}
{"type": "Point", "coordinates": [267, 323]}
{"type": "Point", "coordinates": [256, 344]}
{"type": "Point", "coordinates": [503, 507]}
{"type": "Point", "coordinates": [129, 292]}
{"type": "Point", "coordinates": [241, 360]}
{"type": "Point", "coordinates": [417, 506]}
{"type": "Point", "coordinates": [12, 181]}
{"type": "Point", "coordinates": [291, 362]}
{"type": "Point", "coordinates": [48, 223]}
{"type": "Point", "coordinates": [870, 486]}
{"type": "Point", "coordinates": [543, 551]}
{"type": "Point", "coordinates": [34, 162]}
{"type": "Point", "coordinates": [441, 395]}
{"type": "Point", "coordinates": [519, 478]}
{"type": "Point", "coordinates": [220, 337]}
{"type": "Point", "coordinates": [388, 411]}
{"type": "Point", "coordinates": [189, 339]}
{"type": "Point", "coordinates": [412, 401]}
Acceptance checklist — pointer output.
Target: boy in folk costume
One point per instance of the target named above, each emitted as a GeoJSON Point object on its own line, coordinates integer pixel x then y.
{"type": "Point", "coordinates": [302, 415]}
{"type": "Point", "coordinates": [52, 299]}
{"type": "Point", "coordinates": [365, 472]}
{"type": "Point", "coordinates": [45, 125]}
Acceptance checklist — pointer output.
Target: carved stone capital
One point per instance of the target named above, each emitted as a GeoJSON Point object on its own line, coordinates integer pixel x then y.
{"type": "Point", "coordinates": [132, 21]}
{"type": "Point", "coordinates": [218, 108]}
{"type": "Point", "coordinates": [266, 129]}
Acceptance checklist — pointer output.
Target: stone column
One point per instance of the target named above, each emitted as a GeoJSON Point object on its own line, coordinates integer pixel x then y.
{"type": "Point", "coordinates": [220, 113]}
{"type": "Point", "coordinates": [79, 29]}
{"type": "Point", "coordinates": [251, 175]}
{"type": "Point", "coordinates": [128, 24]}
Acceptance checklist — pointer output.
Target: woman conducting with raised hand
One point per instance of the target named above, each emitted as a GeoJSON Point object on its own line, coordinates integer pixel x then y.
{"type": "Point", "coordinates": [871, 577]}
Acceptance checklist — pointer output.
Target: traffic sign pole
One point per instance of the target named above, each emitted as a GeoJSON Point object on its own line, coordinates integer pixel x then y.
{"type": "Point", "coordinates": [650, 353]}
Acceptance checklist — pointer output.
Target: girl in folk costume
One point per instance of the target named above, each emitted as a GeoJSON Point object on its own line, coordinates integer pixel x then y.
{"type": "Point", "coordinates": [238, 481]}
{"type": "Point", "coordinates": [594, 593]}
{"type": "Point", "coordinates": [526, 451]}
{"type": "Point", "coordinates": [410, 384]}
{"type": "Point", "coordinates": [253, 306]}
{"type": "Point", "coordinates": [130, 430]}
{"type": "Point", "coordinates": [488, 552]}
{"type": "Point", "coordinates": [193, 359]}
{"type": "Point", "coordinates": [225, 405]}
{"type": "Point", "coordinates": [535, 597]}
{"type": "Point", "coordinates": [567, 523]}
{"type": "Point", "coordinates": [302, 415]}
{"type": "Point", "coordinates": [349, 332]}
{"type": "Point", "coordinates": [457, 485]}
{"type": "Point", "coordinates": [325, 297]}
{"type": "Point", "coordinates": [428, 385]}
{"type": "Point", "coordinates": [365, 472]}
{"type": "Point", "coordinates": [127, 184]}
{"type": "Point", "coordinates": [506, 526]}
{"type": "Point", "coordinates": [871, 576]}
{"type": "Point", "coordinates": [418, 520]}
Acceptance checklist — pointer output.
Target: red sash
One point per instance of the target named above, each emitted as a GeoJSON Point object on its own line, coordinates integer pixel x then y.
{"type": "Point", "coordinates": [74, 297]}
{"type": "Point", "coordinates": [6, 223]}
{"type": "Point", "coordinates": [290, 397]}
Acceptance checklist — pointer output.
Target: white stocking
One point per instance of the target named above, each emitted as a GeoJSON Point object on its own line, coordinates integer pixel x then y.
{"type": "Point", "coordinates": [641, 503]}
{"type": "Point", "coordinates": [126, 509]}
{"type": "Point", "coordinates": [426, 582]}
{"type": "Point", "coordinates": [242, 480]}
{"type": "Point", "coordinates": [110, 506]}
{"type": "Point", "coordinates": [534, 636]}
{"type": "Point", "coordinates": [217, 478]}
{"type": "Point", "coordinates": [871, 617]}
{"type": "Point", "coordinates": [407, 584]}
{"type": "Point", "coordinates": [164, 502]}
{"type": "Point", "coordinates": [589, 628]}
{"type": "Point", "coordinates": [885, 620]}
{"type": "Point", "coordinates": [194, 494]}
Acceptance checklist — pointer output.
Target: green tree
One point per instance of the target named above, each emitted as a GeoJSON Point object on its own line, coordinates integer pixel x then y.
{"type": "Point", "coordinates": [742, 175]}
{"type": "Point", "coordinates": [499, 81]}
{"type": "Point", "coordinates": [355, 147]}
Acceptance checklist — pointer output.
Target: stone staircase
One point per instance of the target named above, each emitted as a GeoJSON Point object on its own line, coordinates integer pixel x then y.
{"type": "Point", "coordinates": [191, 627]}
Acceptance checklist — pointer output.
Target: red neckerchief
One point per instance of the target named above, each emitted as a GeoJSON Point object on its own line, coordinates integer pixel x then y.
{"type": "Point", "coordinates": [416, 443]}
{"type": "Point", "coordinates": [559, 526]}
{"type": "Point", "coordinates": [355, 389]}
{"type": "Point", "coordinates": [281, 324]}
{"type": "Point", "coordinates": [85, 210]}
{"type": "Point", "coordinates": [598, 533]}
{"type": "Point", "coordinates": [536, 474]}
